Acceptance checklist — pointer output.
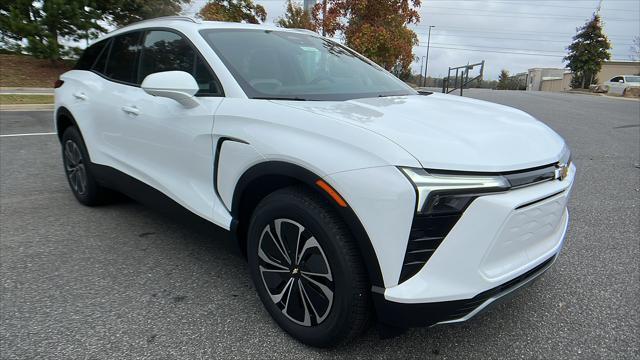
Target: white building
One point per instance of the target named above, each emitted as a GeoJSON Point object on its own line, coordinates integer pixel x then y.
{"type": "Point", "coordinates": [537, 75]}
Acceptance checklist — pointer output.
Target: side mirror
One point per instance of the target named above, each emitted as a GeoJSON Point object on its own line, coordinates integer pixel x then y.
{"type": "Point", "coordinates": [177, 85]}
{"type": "Point", "coordinates": [621, 81]}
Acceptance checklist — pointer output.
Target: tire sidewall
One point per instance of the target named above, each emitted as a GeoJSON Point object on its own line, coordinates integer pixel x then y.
{"type": "Point", "coordinates": [90, 195]}
{"type": "Point", "coordinates": [339, 316]}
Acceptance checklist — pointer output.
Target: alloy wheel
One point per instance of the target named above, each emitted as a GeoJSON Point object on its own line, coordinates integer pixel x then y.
{"type": "Point", "coordinates": [295, 271]}
{"type": "Point", "coordinates": [75, 167]}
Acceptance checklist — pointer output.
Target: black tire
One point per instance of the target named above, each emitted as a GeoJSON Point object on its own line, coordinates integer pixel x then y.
{"type": "Point", "coordinates": [77, 166]}
{"type": "Point", "coordinates": [348, 312]}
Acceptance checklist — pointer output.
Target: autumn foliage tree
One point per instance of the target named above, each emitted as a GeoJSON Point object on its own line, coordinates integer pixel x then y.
{"type": "Point", "coordinates": [374, 28]}
{"type": "Point", "coordinates": [295, 17]}
{"type": "Point", "coordinates": [233, 11]}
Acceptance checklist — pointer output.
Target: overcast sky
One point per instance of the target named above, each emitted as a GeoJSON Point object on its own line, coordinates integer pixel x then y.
{"type": "Point", "coordinates": [508, 34]}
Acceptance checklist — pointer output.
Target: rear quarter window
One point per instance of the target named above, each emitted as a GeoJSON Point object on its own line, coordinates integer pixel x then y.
{"type": "Point", "coordinates": [90, 55]}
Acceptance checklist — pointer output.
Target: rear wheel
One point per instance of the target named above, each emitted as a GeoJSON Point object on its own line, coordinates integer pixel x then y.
{"type": "Point", "coordinates": [78, 169]}
{"type": "Point", "coordinates": [307, 269]}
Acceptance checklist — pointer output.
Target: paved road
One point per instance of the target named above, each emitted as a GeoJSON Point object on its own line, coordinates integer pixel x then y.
{"type": "Point", "coordinates": [125, 281]}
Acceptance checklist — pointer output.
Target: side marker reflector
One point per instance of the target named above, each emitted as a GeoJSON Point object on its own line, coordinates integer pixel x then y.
{"type": "Point", "coordinates": [329, 190]}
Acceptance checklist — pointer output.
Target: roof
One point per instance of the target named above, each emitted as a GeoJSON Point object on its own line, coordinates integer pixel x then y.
{"type": "Point", "coordinates": [622, 62]}
{"type": "Point", "coordinates": [199, 24]}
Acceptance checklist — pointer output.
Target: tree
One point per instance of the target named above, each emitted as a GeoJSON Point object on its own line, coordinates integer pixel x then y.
{"type": "Point", "coordinates": [42, 24]}
{"type": "Point", "coordinates": [46, 25]}
{"type": "Point", "coordinates": [234, 11]}
{"type": "Point", "coordinates": [587, 53]}
{"type": "Point", "coordinates": [124, 12]}
{"type": "Point", "coordinates": [295, 17]}
{"type": "Point", "coordinates": [503, 80]}
{"type": "Point", "coordinates": [376, 29]}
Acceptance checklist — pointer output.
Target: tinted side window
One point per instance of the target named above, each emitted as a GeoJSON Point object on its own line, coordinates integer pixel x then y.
{"type": "Point", "coordinates": [168, 51]}
{"type": "Point", "coordinates": [102, 59]}
{"type": "Point", "coordinates": [122, 63]}
{"type": "Point", "coordinates": [90, 55]}
{"type": "Point", "coordinates": [616, 79]}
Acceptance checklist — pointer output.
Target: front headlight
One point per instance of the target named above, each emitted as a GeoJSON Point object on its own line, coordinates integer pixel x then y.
{"type": "Point", "coordinates": [440, 194]}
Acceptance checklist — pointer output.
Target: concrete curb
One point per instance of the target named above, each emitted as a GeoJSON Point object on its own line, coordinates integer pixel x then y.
{"type": "Point", "coordinates": [26, 91]}
{"type": "Point", "coordinates": [27, 107]}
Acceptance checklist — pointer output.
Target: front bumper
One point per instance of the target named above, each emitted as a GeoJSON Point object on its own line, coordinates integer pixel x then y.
{"type": "Point", "coordinates": [501, 243]}
{"type": "Point", "coordinates": [427, 314]}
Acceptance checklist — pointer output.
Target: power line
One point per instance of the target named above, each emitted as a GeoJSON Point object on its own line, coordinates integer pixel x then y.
{"type": "Point", "coordinates": [499, 47]}
{"type": "Point", "coordinates": [505, 38]}
{"type": "Point", "coordinates": [494, 51]}
{"type": "Point", "coordinates": [521, 32]}
{"type": "Point", "coordinates": [507, 12]}
{"type": "Point", "coordinates": [502, 52]}
{"type": "Point", "coordinates": [552, 6]}
{"type": "Point", "coordinates": [527, 17]}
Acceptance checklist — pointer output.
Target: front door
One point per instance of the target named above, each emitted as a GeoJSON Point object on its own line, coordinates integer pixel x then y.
{"type": "Point", "coordinates": [170, 146]}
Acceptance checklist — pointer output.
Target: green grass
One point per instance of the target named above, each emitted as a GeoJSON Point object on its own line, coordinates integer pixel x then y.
{"type": "Point", "coordinates": [25, 99]}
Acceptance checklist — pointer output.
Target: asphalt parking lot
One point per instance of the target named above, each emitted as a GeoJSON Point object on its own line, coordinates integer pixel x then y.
{"type": "Point", "coordinates": [127, 281]}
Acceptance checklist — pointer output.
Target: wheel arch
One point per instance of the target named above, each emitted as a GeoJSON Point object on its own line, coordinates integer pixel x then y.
{"type": "Point", "coordinates": [262, 179]}
{"type": "Point", "coordinates": [64, 119]}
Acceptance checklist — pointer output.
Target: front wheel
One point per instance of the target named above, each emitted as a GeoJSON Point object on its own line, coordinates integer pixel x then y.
{"type": "Point", "coordinates": [307, 269]}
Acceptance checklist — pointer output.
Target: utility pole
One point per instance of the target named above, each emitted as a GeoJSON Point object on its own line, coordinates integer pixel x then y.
{"type": "Point", "coordinates": [426, 65]}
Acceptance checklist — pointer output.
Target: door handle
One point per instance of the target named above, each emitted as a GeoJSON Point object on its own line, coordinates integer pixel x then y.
{"type": "Point", "coordinates": [80, 95]}
{"type": "Point", "coordinates": [131, 110]}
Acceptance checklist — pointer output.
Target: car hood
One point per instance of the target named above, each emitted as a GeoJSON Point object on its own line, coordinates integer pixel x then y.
{"type": "Point", "coordinates": [451, 132]}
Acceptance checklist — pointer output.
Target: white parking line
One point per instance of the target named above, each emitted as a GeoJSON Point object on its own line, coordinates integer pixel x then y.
{"type": "Point", "coordinates": [30, 134]}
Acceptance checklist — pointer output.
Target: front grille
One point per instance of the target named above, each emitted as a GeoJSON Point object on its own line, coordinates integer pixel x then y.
{"type": "Point", "coordinates": [532, 176]}
{"type": "Point", "coordinates": [427, 232]}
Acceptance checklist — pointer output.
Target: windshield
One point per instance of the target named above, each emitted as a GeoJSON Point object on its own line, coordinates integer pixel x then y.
{"type": "Point", "coordinates": [632, 78]}
{"type": "Point", "coordinates": [285, 65]}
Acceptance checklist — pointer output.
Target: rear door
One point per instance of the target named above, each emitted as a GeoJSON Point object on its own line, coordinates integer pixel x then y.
{"type": "Point", "coordinates": [163, 143]}
{"type": "Point", "coordinates": [82, 88]}
{"type": "Point", "coordinates": [117, 71]}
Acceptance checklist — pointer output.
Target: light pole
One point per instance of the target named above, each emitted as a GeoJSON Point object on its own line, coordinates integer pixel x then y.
{"type": "Point", "coordinates": [426, 65]}
{"type": "Point", "coordinates": [421, 67]}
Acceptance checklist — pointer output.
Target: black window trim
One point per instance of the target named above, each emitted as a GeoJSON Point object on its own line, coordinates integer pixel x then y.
{"type": "Point", "coordinates": [106, 45]}
{"type": "Point", "coordinates": [106, 64]}
{"type": "Point", "coordinates": [144, 32]}
{"type": "Point", "coordinates": [105, 51]}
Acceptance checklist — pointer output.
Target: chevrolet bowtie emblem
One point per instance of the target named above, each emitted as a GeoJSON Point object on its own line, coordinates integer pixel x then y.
{"type": "Point", "coordinates": [562, 171]}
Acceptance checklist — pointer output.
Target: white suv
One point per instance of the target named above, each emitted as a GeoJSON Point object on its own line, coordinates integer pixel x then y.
{"type": "Point", "coordinates": [346, 189]}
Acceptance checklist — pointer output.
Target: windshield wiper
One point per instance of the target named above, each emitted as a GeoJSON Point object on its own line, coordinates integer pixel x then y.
{"type": "Point", "coordinates": [293, 98]}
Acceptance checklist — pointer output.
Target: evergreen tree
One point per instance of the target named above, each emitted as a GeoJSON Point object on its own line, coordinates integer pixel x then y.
{"type": "Point", "coordinates": [503, 80]}
{"type": "Point", "coordinates": [295, 17]}
{"type": "Point", "coordinates": [587, 53]}
{"type": "Point", "coordinates": [234, 11]}
{"type": "Point", "coordinates": [124, 12]}
{"type": "Point", "coordinates": [47, 24]}
{"type": "Point", "coordinates": [43, 23]}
